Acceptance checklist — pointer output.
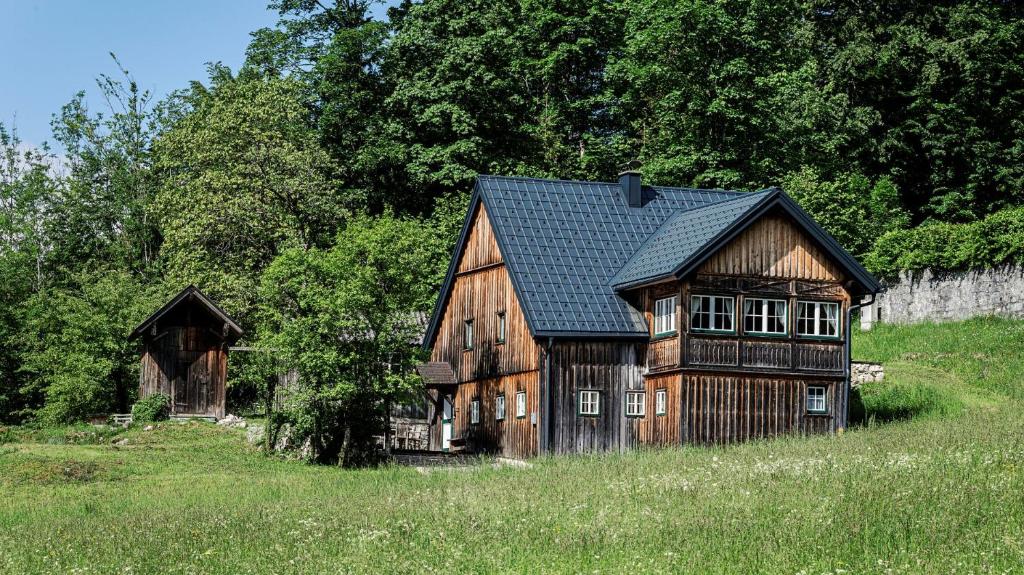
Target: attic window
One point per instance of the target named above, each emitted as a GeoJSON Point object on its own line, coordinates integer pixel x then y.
{"type": "Point", "coordinates": [501, 327]}
{"type": "Point", "coordinates": [665, 316]}
{"type": "Point", "coordinates": [468, 339]}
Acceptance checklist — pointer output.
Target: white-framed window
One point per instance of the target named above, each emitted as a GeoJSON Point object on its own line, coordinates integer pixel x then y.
{"type": "Point", "coordinates": [764, 316]}
{"type": "Point", "coordinates": [816, 399]}
{"type": "Point", "coordinates": [636, 404]}
{"type": "Point", "coordinates": [474, 411]}
{"type": "Point", "coordinates": [520, 404]}
{"type": "Point", "coordinates": [661, 402]}
{"type": "Point", "coordinates": [501, 327]}
{"type": "Point", "coordinates": [499, 407]}
{"type": "Point", "coordinates": [665, 315]}
{"type": "Point", "coordinates": [817, 318]}
{"type": "Point", "coordinates": [468, 343]}
{"type": "Point", "coordinates": [712, 313]}
{"type": "Point", "coordinates": [590, 402]}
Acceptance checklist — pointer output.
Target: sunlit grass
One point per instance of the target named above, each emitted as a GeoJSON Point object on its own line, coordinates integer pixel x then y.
{"type": "Point", "coordinates": [939, 490]}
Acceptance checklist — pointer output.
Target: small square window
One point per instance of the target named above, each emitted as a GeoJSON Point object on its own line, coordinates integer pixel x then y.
{"type": "Point", "coordinates": [468, 340]}
{"type": "Point", "coordinates": [474, 412]}
{"type": "Point", "coordinates": [665, 316]}
{"type": "Point", "coordinates": [501, 327]}
{"type": "Point", "coordinates": [590, 402]}
{"type": "Point", "coordinates": [499, 407]}
{"type": "Point", "coordinates": [520, 404]}
{"type": "Point", "coordinates": [816, 399]}
{"type": "Point", "coordinates": [636, 404]}
{"type": "Point", "coordinates": [661, 402]}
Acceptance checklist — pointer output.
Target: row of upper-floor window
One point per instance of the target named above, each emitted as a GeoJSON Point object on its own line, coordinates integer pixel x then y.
{"type": "Point", "coordinates": [468, 331]}
{"type": "Point", "coordinates": [589, 403]}
{"type": "Point", "coordinates": [760, 316]}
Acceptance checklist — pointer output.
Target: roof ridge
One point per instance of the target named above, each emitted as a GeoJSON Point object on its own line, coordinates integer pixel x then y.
{"type": "Point", "coordinates": [739, 196]}
{"type": "Point", "coordinates": [735, 193]}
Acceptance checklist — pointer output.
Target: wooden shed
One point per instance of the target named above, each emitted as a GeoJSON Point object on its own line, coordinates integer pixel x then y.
{"type": "Point", "coordinates": [185, 354]}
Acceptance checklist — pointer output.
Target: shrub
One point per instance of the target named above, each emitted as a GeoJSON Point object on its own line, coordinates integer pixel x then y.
{"type": "Point", "coordinates": [155, 407]}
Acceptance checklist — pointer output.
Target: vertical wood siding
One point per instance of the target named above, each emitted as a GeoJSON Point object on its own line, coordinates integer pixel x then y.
{"type": "Point", "coordinates": [481, 290]}
{"type": "Point", "coordinates": [654, 429]}
{"type": "Point", "coordinates": [773, 247]}
{"type": "Point", "coordinates": [188, 364]}
{"type": "Point", "coordinates": [719, 408]}
{"type": "Point", "coordinates": [511, 437]}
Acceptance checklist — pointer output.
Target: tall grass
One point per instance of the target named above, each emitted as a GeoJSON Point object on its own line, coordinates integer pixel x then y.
{"type": "Point", "coordinates": [939, 491]}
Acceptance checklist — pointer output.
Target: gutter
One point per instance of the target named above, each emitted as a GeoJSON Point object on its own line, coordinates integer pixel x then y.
{"type": "Point", "coordinates": [848, 367]}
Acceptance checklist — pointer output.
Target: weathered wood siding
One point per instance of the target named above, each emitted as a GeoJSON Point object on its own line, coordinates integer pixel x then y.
{"type": "Point", "coordinates": [512, 437]}
{"type": "Point", "coordinates": [481, 290]}
{"type": "Point", "coordinates": [654, 429]}
{"type": "Point", "coordinates": [773, 247]}
{"type": "Point", "coordinates": [610, 368]}
{"type": "Point", "coordinates": [723, 408]}
{"type": "Point", "coordinates": [189, 364]}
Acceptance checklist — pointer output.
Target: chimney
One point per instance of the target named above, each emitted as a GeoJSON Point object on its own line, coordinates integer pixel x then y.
{"type": "Point", "coordinates": [629, 181]}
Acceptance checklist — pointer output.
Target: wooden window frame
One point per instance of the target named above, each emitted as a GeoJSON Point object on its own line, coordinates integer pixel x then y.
{"type": "Point", "coordinates": [824, 400]}
{"type": "Point", "coordinates": [642, 403]}
{"type": "Point", "coordinates": [499, 407]}
{"type": "Point", "coordinates": [818, 306]}
{"type": "Point", "coordinates": [501, 328]}
{"type": "Point", "coordinates": [674, 316]}
{"type": "Point", "coordinates": [468, 335]}
{"type": "Point", "coordinates": [474, 411]}
{"type": "Point", "coordinates": [764, 317]}
{"type": "Point", "coordinates": [712, 314]}
{"type": "Point", "coordinates": [596, 402]}
{"type": "Point", "coordinates": [660, 401]}
{"type": "Point", "coordinates": [524, 405]}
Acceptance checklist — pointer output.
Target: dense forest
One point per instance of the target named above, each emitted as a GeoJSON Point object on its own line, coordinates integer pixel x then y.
{"type": "Point", "coordinates": [319, 188]}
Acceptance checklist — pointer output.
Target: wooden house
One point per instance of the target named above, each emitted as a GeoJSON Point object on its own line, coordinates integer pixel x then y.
{"type": "Point", "coordinates": [185, 354]}
{"type": "Point", "coordinates": [590, 316]}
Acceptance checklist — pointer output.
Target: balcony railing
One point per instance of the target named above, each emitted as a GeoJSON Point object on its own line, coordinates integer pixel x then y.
{"type": "Point", "coordinates": [663, 353]}
{"type": "Point", "coordinates": [783, 355]}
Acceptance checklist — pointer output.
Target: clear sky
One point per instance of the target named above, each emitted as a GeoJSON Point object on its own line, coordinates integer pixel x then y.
{"type": "Point", "coordinates": [51, 49]}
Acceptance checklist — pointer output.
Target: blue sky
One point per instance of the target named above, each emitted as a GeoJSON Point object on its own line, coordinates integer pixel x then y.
{"type": "Point", "coordinates": [49, 50]}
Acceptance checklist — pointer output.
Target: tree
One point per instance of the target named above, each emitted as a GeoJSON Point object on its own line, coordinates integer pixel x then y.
{"type": "Point", "coordinates": [243, 178]}
{"type": "Point", "coordinates": [348, 318]}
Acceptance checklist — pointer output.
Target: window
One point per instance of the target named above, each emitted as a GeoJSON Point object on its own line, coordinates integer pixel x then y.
{"type": "Point", "coordinates": [665, 316]}
{"type": "Point", "coordinates": [660, 402]}
{"type": "Point", "coordinates": [816, 400]}
{"type": "Point", "coordinates": [499, 407]}
{"type": "Point", "coordinates": [635, 403]}
{"type": "Point", "coordinates": [590, 402]}
{"type": "Point", "coordinates": [766, 316]}
{"type": "Point", "coordinates": [712, 313]}
{"type": "Point", "coordinates": [474, 412]}
{"type": "Point", "coordinates": [520, 404]}
{"type": "Point", "coordinates": [817, 319]}
{"type": "Point", "coordinates": [469, 334]}
{"type": "Point", "coordinates": [501, 327]}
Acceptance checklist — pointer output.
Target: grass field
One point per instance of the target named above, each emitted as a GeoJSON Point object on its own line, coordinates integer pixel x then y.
{"type": "Point", "coordinates": [933, 483]}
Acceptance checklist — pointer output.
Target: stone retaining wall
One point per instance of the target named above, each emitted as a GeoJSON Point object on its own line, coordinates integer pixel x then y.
{"type": "Point", "coordinates": [949, 296]}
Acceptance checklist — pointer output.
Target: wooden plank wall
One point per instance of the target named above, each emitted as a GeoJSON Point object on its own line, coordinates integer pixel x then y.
{"type": "Point", "coordinates": [773, 247]}
{"type": "Point", "coordinates": [187, 364]}
{"type": "Point", "coordinates": [609, 367]}
{"type": "Point", "coordinates": [721, 408]}
{"type": "Point", "coordinates": [481, 289]}
{"type": "Point", "coordinates": [512, 437]}
{"type": "Point", "coordinates": [653, 429]}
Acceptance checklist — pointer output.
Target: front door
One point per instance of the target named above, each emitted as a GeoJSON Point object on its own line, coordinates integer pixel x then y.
{"type": "Point", "coordinates": [446, 424]}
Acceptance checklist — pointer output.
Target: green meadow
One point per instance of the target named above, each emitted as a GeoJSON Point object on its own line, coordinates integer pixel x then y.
{"type": "Point", "coordinates": [931, 482]}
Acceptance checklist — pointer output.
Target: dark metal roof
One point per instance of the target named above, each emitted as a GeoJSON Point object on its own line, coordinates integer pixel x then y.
{"type": "Point", "coordinates": [191, 293]}
{"type": "Point", "coordinates": [436, 373]}
{"type": "Point", "coordinates": [681, 237]}
{"type": "Point", "coordinates": [569, 245]}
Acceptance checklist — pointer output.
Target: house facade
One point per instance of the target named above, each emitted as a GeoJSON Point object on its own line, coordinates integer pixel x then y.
{"type": "Point", "coordinates": [592, 316]}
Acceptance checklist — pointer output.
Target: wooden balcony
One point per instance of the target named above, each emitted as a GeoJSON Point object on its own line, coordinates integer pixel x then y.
{"type": "Point", "coordinates": [765, 354]}
{"type": "Point", "coordinates": [663, 354]}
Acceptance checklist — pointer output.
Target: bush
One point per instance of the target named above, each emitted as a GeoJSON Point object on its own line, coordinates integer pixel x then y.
{"type": "Point", "coordinates": [997, 239]}
{"type": "Point", "coordinates": [155, 407]}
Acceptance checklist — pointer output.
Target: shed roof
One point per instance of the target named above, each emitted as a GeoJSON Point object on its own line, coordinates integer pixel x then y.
{"type": "Point", "coordinates": [191, 294]}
